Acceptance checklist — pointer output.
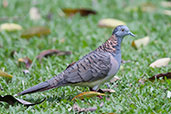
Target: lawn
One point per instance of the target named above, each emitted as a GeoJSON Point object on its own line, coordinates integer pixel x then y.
{"type": "Point", "coordinates": [82, 35]}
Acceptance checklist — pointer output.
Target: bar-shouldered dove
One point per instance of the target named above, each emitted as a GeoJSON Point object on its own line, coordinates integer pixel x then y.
{"type": "Point", "coordinates": [92, 70]}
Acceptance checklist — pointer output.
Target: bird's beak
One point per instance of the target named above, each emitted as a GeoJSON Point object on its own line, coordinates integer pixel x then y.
{"type": "Point", "coordinates": [130, 33]}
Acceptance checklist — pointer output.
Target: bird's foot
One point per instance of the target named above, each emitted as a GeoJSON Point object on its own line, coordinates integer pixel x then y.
{"type": "Point", "coordinates": [100, 91]}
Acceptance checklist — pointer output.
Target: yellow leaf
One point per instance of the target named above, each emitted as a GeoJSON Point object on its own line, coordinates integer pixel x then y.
{"type": "Point", "coordinates": [10, 27]}
{"type": "Point", "coordinates": [4, 74]}
{"type": "Point", "coordinates": [160, 62]}
{"type": "Point", "coordinates": [35, 31]}
{"type": "Point", "coordinates": [141, 42]}
{"type": "Point", "coordinates": [87, 94]}
{"type": "Point", "coordinates": [148, 7]}
{"type": "Point", "coordinates": [110, 23]}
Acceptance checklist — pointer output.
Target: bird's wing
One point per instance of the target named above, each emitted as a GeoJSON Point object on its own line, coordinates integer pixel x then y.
{"type": "Point", "coordinates": [91, 67]}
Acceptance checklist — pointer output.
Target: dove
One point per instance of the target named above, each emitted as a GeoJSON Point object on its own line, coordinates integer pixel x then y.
{"type": "Point", "coordinates": [93, 69]}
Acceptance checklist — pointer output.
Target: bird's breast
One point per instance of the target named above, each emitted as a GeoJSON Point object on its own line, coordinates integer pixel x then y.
{"type": "Point", "coordinates": [114, 66]}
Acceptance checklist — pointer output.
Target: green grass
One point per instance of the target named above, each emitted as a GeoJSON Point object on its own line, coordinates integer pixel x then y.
{"type": "Point", "coordinates": [82, 35]}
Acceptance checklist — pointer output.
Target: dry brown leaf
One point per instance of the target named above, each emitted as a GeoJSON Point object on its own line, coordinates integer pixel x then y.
{"type": "Point", "coordinates": [34, 14]}
{"type": "Point", "coordinates": [51, 52]}
{"type": "Point", "coordinates": [114, 79]}
{"type": "Point", "coordinates": [35, 31]}
{"type": "Point", "coordinates": [110, 23]}
{"type": "Point", "coordinates": [10, 27]}
{"type": "Point", "coordinates": [4, 74]}
{"type": "Point", "coordinates": [166, 3]}
{"type": "Point", "coordinates": [11, 100]}
{"type": "Point", "coordinates": [140, 42]}
{"type": "Point", "coordinates": [79, 109]}
{"type": "Point", "coordinates": [167, 12]}
{"type": "Point", "coordinates": [160, 62]}
{"type": "Point", "coordinates": [157, 76]}
{"type": "Point", "coordinates": [82, 12]}
{"type": "Point", "coordinates": [88, 94]}
{"type": "Point", "coordinates": [25, 60]}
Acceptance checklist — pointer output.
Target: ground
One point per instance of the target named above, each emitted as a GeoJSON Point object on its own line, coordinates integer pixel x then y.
{"type": "Point", "coordinates": [82, 35]}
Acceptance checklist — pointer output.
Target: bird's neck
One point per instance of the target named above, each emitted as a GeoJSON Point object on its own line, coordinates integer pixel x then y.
{"type": "Point", "coordinates": [113, 46]}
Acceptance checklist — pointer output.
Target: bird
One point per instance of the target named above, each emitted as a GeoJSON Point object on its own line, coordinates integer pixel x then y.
{"type": "Point", "coordinates": [93, 69]}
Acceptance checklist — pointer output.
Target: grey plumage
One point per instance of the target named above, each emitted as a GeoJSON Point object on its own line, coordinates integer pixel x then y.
{"type": "Point", "coordinates": [93, 69]}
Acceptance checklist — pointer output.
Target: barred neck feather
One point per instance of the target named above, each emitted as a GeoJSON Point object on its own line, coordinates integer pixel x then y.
{"type": "Point", "coordinates": [112, 45]}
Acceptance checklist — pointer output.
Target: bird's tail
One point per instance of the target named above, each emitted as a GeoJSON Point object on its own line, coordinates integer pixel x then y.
{"type": "Point", "coordinates": [52, 83]}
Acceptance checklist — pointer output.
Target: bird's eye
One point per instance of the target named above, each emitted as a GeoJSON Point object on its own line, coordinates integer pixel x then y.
{"type": "Point", "coordinates": [123, 30]}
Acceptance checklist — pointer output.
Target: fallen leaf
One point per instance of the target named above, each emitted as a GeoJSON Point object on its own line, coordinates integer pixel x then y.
{"type": "Point", "coordinates": [11, 100]}
{"type": "Point", "coordinates": [34, 14]}
{"type": "Point", "coordinates": [82, 12]}
{"type": "Point", "coordinates": [167, 12]}
{"type": "Point", "coordinates": [110, 23]}
{"type": "Point", "coordinates": [4, 74]}
{"type": "Point", "coordinates": [51, 52]}
{"type": "Point", "coordinates": [79, 109]}
{"type": "Point", "coordinates": [166, 3]}
{"type": "Point", "coordinates": [88, 94]}
{"type": "Point", "coordinates": [5, 3]}
{"type": "Point", "coordinates": [108, 90]}
{"type": "Point", "coordinates": [148, 7]}
{"type": "Point", "coordinates": [145, 7]}
{"type": "Point", "coordinates": [10, 27]}
{"type": "Point", "coordinates": [140, 42]}
{"type": "Point", "coordinates": [25, 60]}
{"type": "Point", "coordinates": [35, 31]}
{"type": "Point", "coordinates": [114, 79]}
{"type": "Point", "coordinates": [160, 62]}
{"type": "Point", "coordinates": [168, 94]}
{"type": "Point", "coordinates": [157, 76]}
{"type": "Point", "coordinates": [161, 75]}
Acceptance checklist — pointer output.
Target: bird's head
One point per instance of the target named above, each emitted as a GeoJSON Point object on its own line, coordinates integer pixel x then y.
{"type": "Point", "coordinates": [122, 31]}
